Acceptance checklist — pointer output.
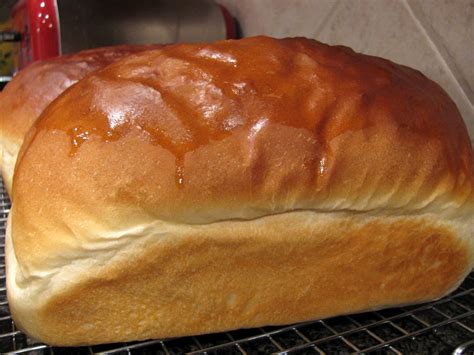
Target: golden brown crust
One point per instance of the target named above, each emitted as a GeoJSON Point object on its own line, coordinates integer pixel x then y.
{"type": "Point", "coordinates": [33, 88]}
{"type": "Point", "coordinates": [303, 119]}
{"type": "Point", "coordinates": [192, 148]}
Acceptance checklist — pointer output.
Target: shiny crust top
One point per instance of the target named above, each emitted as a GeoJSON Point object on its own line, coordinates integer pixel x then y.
{"type": "Point", "coordinates": [196, 133]}
{"type": "Point", "coordinates": [34, 87]}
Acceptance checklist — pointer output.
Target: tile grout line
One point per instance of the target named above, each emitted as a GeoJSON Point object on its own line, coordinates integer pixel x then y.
{"type": "Point", "coordinates": [443, 51]}
{"type": "Point", "coordinates": [329, 15]}
{"type": "Point", "coordinates": [438, 52]}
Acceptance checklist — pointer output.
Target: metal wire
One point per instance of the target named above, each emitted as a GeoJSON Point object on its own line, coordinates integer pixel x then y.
{"type": "Point", "coordinates": [443, 326]}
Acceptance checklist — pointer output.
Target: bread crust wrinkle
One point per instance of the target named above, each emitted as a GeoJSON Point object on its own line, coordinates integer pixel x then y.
{"type": "Point", "coordinates": [206, 187]}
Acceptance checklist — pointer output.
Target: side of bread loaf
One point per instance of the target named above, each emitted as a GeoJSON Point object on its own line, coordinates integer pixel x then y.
{"type": "Point", "coordinates": [163, 280]}
{"type": "Point", "coordinates": [208, 187]}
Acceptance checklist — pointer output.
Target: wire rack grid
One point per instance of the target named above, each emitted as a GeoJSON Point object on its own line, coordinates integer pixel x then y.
{"type": "Point", "coordinates": [443, 326]}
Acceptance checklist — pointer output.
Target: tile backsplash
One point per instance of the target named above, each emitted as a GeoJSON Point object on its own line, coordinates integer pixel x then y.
{"type": "Point", "coordinates": [433, 36]}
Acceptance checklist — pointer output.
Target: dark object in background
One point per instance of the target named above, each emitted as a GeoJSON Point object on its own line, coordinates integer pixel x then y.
{"type": "Point", "coordinates": [52, 27]}
{"type": "Point", "coordinates": [10, 36]}
{"type": "Point", "coordinates": [4, 81]}
{"type": "Point", "coordinates": [91, 23]}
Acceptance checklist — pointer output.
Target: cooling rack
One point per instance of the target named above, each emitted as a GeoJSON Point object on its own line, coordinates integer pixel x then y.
{"type": "Point", "coordinates": [443, 326]}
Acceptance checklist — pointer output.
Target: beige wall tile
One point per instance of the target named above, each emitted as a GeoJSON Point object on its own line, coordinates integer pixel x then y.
{"type": "Point", "coordinates": [280, 18]}
{"type": "Point", "coordinates": [450, 24]}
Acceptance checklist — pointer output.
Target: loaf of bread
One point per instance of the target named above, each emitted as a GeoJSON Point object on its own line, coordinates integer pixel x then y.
{"type": "Point", "coordinates": [27, 95]}
{"type": "Point", "coordinates": [206, 187]}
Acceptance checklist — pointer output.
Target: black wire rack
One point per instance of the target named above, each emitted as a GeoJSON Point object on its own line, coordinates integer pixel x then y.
{"type": "Point", "coordinates": [440, 327]}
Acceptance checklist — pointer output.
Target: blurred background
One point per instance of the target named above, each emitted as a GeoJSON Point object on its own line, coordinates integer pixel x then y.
{"type": "Point", "coordinates": [433, 36]}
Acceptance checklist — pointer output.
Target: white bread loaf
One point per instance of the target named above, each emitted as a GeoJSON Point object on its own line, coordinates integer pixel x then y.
{"type": "Point", "coordinates": [208, 187]}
